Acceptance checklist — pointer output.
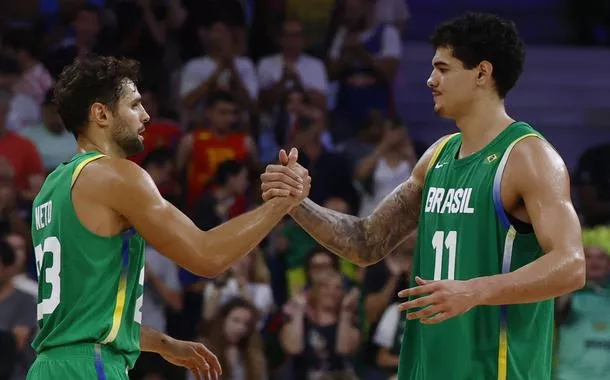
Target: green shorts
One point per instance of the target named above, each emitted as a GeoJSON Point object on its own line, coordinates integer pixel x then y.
{"type": "Point", "coordinates": [86, 361]}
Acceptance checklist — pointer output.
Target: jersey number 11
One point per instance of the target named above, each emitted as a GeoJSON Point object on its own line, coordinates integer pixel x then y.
{"type": "Point", "coordinates": [440, 241]}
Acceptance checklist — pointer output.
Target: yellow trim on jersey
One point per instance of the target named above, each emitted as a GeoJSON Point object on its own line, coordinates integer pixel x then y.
{"type": "Point", "coordinates": [437, 151]}
{"type": "Point", "coordinates": [118, 310]}
{"type": "Point", "coordinates": [502, 355]}
{"type": "Point", "coordinates": [82, 165]}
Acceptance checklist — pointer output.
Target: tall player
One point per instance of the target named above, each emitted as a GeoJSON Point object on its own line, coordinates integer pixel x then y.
{"type": "Point", "coordinates": [90, 221]}
{"type": "Point", "coordinates": [498, 236]}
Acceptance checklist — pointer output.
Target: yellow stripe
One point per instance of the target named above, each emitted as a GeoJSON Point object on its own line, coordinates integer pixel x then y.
{"type": "Point", "coordinates": [502, 355]}
{"type": "Point", "coordinates": [82, 165]}
{"type": "Point", "coordinates": [438, 151]}
{"type": "Point", "coordinates": [118, 310]}
{"type": "Point", "coordinates": [510, 147]}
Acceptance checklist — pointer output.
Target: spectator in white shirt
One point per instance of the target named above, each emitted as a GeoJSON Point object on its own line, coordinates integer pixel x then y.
{"type": "Point", "coordinates": [220, 70]}
{"type": "Point", "coordinates": [291, 68]}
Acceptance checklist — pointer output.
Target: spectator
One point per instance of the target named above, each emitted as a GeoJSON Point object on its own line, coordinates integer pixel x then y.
{"type": "Point", "coordinates": [205, 147]}
{"type": "Point", "coordinates": [583, 317]}
{"type": "Point", "coordinates": [329, 171]}
{"type": "Point", "coordinates": [291, 68]}
{"type": "Point", "coordinates": [218, 202]}
{"type": "Point", "coordinates": [382, 282]}
{"type": "Point", "coordinates": [593, 185]}
{"type": "Point", "coordinates": [249, 280]}
{"type": "Point", "coordinates": [17, 317]}
{"type": "Point", "coordinates": [235, 13]}
{"type": "Point", "coordinates": [33, 82]}
{"type": "Point", "coordinates": [21, 154]}
{"type": "Point", "coordinates": [160, 132]}
{"type": "Point", "coordinates": [21, 281]}
{"type": "Point", "coordinates": [11, 220]}
{"type": "Point", "coordinates": [387, 338]}
{"type": "Point", "coordinates": [385, 167]}
{"type": "Point", "coordinates": [315, 16]}
{"type": "Point", "coordinates": [222, 70]}
{"type": "Point", "coordinates": [83, 39]}
{"type": "Point", "coordinates": [236, 342]}
{"type": "Point", "coordinates": [143, 31]}
{"type": "Point", "coordinates": [364, 58]}
{"type": "Point", "coordinates": [52, 140]}
{"type": "Point", "coordinates": [297, 114]}
{"type": "Point", "coordinates": [392, 12]}
{"type": "Point", "coordinates": [321, 333]}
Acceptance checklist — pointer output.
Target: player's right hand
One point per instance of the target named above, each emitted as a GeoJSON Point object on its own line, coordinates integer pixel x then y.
{"type": "Point", "coordinates": [289, 179]}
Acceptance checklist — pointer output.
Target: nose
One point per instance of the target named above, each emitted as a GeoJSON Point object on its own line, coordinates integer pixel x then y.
{"type": "Point", "coordinates": [146, 118]}
{"type": "Point", "coordinates": [431, 82]}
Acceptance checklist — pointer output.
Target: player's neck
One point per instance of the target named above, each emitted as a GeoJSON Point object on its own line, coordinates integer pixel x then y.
{"type": "Point", "coordinates": [481, 125]}
{"type": "Point", "coordinates": [86, 144]}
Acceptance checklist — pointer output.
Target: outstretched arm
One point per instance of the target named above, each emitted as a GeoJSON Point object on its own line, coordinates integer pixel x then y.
{"type": "Point", "coordinates": [542, 181]}
{"type": "Point", "coordinates": [128, 190]}
{"type": "Point", "coordinates": [363, 241]}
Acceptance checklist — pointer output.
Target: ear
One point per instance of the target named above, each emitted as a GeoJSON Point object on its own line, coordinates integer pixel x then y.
{"type": "Point", "coordinates": [100, 114]}
{"type": "Point", "coordinates": [485, 72]}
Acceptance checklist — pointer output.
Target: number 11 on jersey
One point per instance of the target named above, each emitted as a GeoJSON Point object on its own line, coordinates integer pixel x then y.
{"type": "Point", "coordinates": [440, 241]}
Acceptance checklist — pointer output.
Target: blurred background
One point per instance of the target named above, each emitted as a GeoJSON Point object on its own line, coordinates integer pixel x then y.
{"type": "Point", "coordinates": [227, 84]}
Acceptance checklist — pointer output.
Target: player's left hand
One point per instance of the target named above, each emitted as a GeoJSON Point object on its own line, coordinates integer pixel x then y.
{"type": "Point", "coordinates": [438, 300]}
{"type": "Point", "coordinates": [194, 356]}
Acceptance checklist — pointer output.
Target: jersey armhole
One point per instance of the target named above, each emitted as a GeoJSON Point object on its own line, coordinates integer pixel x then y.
{"type": "Point", "coordinates": [497, 184]}
{"type": "Point", "coordinates": [437, 152]}
{"type": "Point", "coordinates": [79, 168]}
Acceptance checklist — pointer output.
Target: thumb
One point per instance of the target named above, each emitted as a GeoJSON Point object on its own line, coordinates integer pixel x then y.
{"type": "Point", "coordinates": [283, 157]}
{"type": "Point", "coordinates": [421, 281]}
{"type": "Point", "coordinates": [293, 156]}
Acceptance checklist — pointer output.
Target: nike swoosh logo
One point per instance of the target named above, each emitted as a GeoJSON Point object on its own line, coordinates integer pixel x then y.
{"type": "Point", "coordinates": [440, 165]}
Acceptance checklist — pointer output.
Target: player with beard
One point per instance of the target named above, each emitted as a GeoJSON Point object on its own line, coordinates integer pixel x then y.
{"type": "Point", "coordinates": [90, 221]}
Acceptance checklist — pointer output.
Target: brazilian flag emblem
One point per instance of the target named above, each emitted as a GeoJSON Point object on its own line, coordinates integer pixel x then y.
{"type": "Point", "coordinates": [491, 158]}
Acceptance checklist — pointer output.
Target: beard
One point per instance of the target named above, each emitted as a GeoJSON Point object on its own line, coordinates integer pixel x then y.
{"type": "Point", "coordinates": [128, 141]}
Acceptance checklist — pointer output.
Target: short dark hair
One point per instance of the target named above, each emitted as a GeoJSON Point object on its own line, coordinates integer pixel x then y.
{"type": "Point", "coordinates": [219, 96]}
{"type": "Point", "coordinates": [477, 37]}
{"type": "Point", "coordinates": [228, 169]}
{"type": "Point", "coordinates": [89, 80]}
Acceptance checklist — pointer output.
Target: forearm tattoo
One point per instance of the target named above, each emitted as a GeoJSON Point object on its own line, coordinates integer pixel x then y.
{"type": "Point", "coordinates": [364, 240]}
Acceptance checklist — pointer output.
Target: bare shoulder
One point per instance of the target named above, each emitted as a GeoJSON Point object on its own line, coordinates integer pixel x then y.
{"type": "Point", "coordinates": [534, 163]}
{"type": "Point", "coordinates": [110, 180]}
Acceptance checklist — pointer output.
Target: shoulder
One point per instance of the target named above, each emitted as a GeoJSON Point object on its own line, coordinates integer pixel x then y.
{"type": "Point", "coordinates": [534, 165]}
{"type": "Point", "coordinates": [110, 175]}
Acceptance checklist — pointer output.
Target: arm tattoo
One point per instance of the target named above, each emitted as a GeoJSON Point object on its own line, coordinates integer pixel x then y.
{"type": "Point", "coordinates": [364, 241]}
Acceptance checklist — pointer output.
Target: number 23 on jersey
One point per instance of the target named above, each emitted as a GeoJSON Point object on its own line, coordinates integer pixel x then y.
{"type": "Point", "coordinates": [51, 248]}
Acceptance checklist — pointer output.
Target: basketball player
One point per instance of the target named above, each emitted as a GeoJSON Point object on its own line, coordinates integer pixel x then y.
{"type": "Point", "coordinates": [90, 221]}
{"type": "Point", "coordinates": [498, 237]}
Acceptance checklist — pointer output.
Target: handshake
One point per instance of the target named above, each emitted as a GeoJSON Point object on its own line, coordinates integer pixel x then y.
{"type": "Point", "coordinates": [288, 180]}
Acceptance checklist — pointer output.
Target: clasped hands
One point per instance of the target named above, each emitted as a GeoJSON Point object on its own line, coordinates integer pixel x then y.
{"type": "Point", "coordinates": [288, 179]}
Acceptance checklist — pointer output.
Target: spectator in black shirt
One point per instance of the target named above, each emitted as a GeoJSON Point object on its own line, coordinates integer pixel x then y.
{"type": "Point", "coordinates": [593, 185]}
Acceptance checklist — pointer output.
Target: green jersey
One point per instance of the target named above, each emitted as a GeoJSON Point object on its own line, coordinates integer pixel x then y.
{"type": "Point", "coordinates": [90, 287]}
{"type": "Point", "coordinates": [464, 232]}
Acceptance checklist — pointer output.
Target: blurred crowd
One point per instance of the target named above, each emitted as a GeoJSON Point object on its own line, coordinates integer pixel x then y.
{"type": "Point", "coordinates": [228, 83]}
